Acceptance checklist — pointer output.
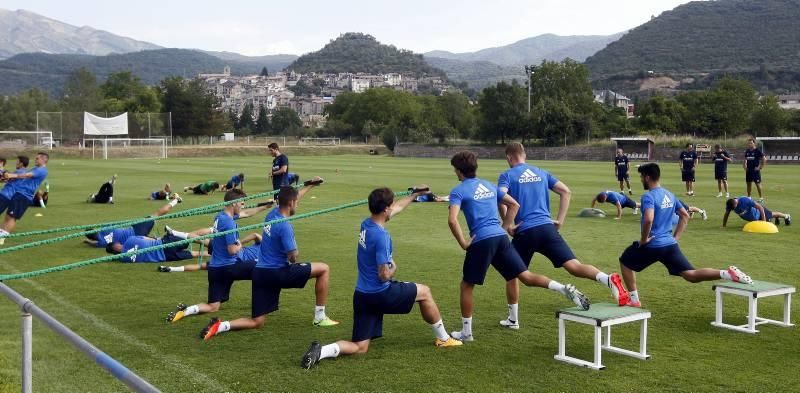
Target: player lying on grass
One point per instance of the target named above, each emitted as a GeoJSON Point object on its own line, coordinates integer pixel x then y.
{"type": "Point", "coordinates": [25, 184]}
{"type": "Point", "coordinates": [376, 292]}
{"type": "Point", "coordinates": [279, 268]}
{"type": "Point", "coordinates": [40, 198]}
{"type": "Point", "coordinates": [206, 188]}
{"type": "Point", "coordinates": [750, 210]}
{"type": "Point", "coordinates": [617, 199]}
{"type": "Point", "coordinates": [105, 194]}
{"type": "Point", "coordinates": [177, 252]}
{"type": "Point", "coordinates": [535, 231]}
{"type": "Point", "coordinates": [689, 209]}
{"type": "Point", "coordinates": [237, 181]}
{"type": "Point", "coordinates": [488, 243]}
{"type": "Point", "coordinates": [428, 196]}
{"type": "Point", "coordinates": [162, 194]}
{"type": "Point", "coordinates": [659, 244]}
{"type": "Point", "coordinates": [249, 253]}
{"type": "Point", "coordinates": [113, 239]}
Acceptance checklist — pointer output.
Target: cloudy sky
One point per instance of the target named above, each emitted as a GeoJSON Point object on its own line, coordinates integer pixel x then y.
{"type": "Point", "coordinates": [256, 27]}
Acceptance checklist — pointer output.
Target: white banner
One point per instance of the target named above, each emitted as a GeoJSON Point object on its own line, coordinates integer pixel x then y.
{"type": "Point", "coordinates": [94, 125]}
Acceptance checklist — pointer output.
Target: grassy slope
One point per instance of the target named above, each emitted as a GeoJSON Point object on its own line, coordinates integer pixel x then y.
{"type": "Point", "coordinates": [120, 308]}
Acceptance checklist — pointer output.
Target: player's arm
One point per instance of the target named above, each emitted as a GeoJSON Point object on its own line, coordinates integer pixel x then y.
{"type": "Point", "coordinates": [455, 227]}
{"type": "Point", "coordinates": [616, 168]}
{"type": "Point", "coordinates": [281, 170]}
{"type": "Point", "coordinates": [594, 202]}
{"type": "Point", "coordinates": [255, 210]}
{"type": "Point", "coordinates": [26, 175]}
{"type": "Point", "coordinates": [403, 202]}
{"type": "Point", "coordinates": [253, 237]}
{"type": "Point", "coordinates": [565, 195]}
{"type": "Point", "coordinates": [696, 162]}
{"type": "Point", "coordinates": [387, 270]}
{"type": "Point", "coordinates": [307, 188]}
{"type": "Point", "coordinates": [761, 212]}
{"type": "Point", "coordinates": [512, 208]}
{"type": "Point", "coordinates": [501, 208]}
{"type": "Point", "coordinates": [648, 216]}
{"type": "Point", "coordinates": [90, 242]}
{"type": "Point", "coordinates": [619, 211]}
{"type": "Point", "coordinates": [683, 220]}
{"type": "Point", "coordinates": [727, 157]}
{"type": "Point", "coordinates": [762, 162]}
{"type": "Point", "coordinates": [725, 218]}
{"type": "Point", "coordinates": [292, 256]}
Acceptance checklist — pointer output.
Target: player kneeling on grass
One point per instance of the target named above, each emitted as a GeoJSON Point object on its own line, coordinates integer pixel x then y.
{"type": "Point", "coordinates": [278, 268]}
{"type": "Point", "coordinates": [659, 244]}
{"type": "Point", "coordinates": [618, 199]}
{"type": "Point", "coordinates": [376, 293]}
{"type": "Point", "coordinates": [234, 182]}
{"type": "Point", "coordinates": [105, 194]}
{"type": "Point", "coordinates": [489, 244]}
{"type": "Point", "coordinates": [114, 239]}
{"type": "Point", "coordinates": [206, 188]}
{"type": "Point", "coordinates": [750, 210]}
{"type": "Point", "coordinates": [24, 187]}
{"type": "Point", "coordinates": [162, 194]}
{"type": "Point", "coordinates": [249, 253]}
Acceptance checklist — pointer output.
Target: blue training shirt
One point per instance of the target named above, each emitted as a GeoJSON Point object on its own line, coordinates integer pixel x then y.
{"type": "Point", "coordinates": [219, 253]}
{"type": "Point", "coordinates": [681, 204]}
{"type": "Point", "coordinates": [478, 199]}
{"type": "Point", "coordinates": [235, 181]}
{"type": "Point", "coordinates": [9, 189]}
{"type": "Point", "coordinates": [27, 187]}
{"type": "Point", "coordinates": [529, 186]}
{"type": "Point", "coordinates": [663, 203]}
{"type": "Point", "coordinates": [613, 197]}
{"type": "Point", "coordinates": [119, 235]}
{"type": "Point", "coordinates": [277, 241]}
{"type": "Point", "coordinates": [249, 253]}
{"type": "Point", "coordinates": [139, 242]}
{"type": "Point", "coordinates": [374, 249]}
{"type": "Point", "coordinates": [746, 209]}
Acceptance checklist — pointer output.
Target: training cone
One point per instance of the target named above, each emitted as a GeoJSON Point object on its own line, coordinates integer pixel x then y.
{"type": "Point", "coordinates": [589, 212]}
{"type": "Point", "coordinates": [38, 215]}
{"type": "Point", "coordinates": [760, 227]}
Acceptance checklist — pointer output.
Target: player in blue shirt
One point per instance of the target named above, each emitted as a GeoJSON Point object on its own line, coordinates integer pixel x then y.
{"type": "Point", "coordinates": [249, 253]}
{"type": "Point", "coordinates": [658, 243]}
{"type": "Point", "coordinates": [279, 268]}
{"type": "Point", "coordinates": [176, 252]}
{"type": "Point", "coordinates": [617, 199]}
{"type": "Point", "coordinates": [25, 186]}
{"type": "Point", "coordinates": [280, 167]}
{"type": "Point", "coordinates": [721, 160]}
{"type": "Point", "coordinates": [377, 293]}
{"type": "Point", "coordinates": [750, 210]}
{"type": "Point", "coordinates": [113, 239]}
{"type": "Point", "coordinates": [234, 182]}
{"type": "Point", "coordinates": [688, 162]}
{"type": "Point", "coordinates": [690, 209]}
{"type": "Point", "coordinates": [753, 163]}
{"type": "Point", "coordinates": [621, 167]}
{"type": "Point", "coordinates": [162, 194]}
{"type": "Point", "coordinates": [535, 231]}
{"type": "Point", "coordinates": [488, 243]}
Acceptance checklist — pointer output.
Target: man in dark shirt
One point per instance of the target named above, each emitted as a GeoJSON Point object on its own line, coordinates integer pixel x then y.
{"type": "Point", "coordinates": [621, 167]}
{"type": "Point", "coordinates": [280, 167]}
{"type": "Point", "coordinates": [753, 163]}
{"type": "Point", "coordinates": [721, 160]}
{"type": "Point", "coordinates": [688, 161]}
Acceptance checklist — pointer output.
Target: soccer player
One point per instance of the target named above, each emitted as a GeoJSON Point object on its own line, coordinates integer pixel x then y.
{"type": "Point", "coordinates": [25, 185]}
{"type": "Point", "coordinates": [721, 160]}
{"type": "Point", "coordinates": [2, 166]}
{"type": "Point", "coordinates": [177, 252]}
{"type": "Point", "coordinates": [278, 268]}
{"type": "Point", "coordinates": [621, 167]}
{"type": "Point", "coordinates": [754, 161]}
{"type": "Point", "coordinates": [8, 191]}
{"type": "Point", "coordinates": [105, 194]}
{"type": "Point", "coordinates": [750, 210]}
{"type": "Point", "coordinates": [377, 293]}
{"type": "Point", "coordinates": [618, 199]}
{"type": "Point", "coordinates": [234, 182]}
{"type": "Point", "coordinates": [690, 209]}
{"type": "Point", "coordinates": [488, 243]}
{"type": "Point", "coordinates": [40, 198]}
{"type": "Point", "coordinates": [280, 167]}
{"type": "Point", "coordinates": [113, 239]}
{"type": "Point", "coordinates": [428, 196]}
{"type": "Point", "coordinates": [249, 253]}
{"type": "Point", "coordinates": [205, 188]}
{"type": "Point", "coordinates": [162, 194]}
{"type": "Point", "coordinates": [688, 161]}
{"type": "Point", "coordinates": [659, 244]}
{"type": "Point", "coordinates": [535, 231]}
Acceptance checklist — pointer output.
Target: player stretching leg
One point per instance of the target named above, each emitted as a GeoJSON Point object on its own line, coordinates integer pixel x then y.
{"type": "Point", "coordinates": [24, 187]}
{"type": "Point", "coordinates": [105, 194]}
{"type": "Point", "coordinates": [113, 240]}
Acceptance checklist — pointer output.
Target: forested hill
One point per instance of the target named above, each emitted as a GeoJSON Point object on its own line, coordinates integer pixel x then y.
{"type": "Point", "coordinates": [708, 37]}
{"type": "Point", "coordinates": [357, 52]}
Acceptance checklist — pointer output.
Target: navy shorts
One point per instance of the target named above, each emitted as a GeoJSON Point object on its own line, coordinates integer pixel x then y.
{"type": "Point", "coordinates": [267, 285]}
{"type": "Point", "coordinates": [545, 240]}
{"type": "Point", "coordinates": [768, 214]}
{"type": "Point", "coordinates": [752, 176]}
{"type": "Point", "coordinates": [143, 228]}
{"type": "Point", "coordinates": [720, 175]}
{"type": "Point", "coordinates": [629, 203]}
{"type": "Point", "coordinates": [16, 206]}
{"type": "Point", "coordinates": [175, 253]}
{"type": "Point", "coordinates": [638, 258]}
{"type": "Point", "coordinates": [622, 176]}
{"type": "Point", "coordinates": [369, 308]}
{"type": "Point", "coordinates": [220, 279]}
{"type": "Point", "coordinates": [496, 251]}
{"type": "Point", "coordinates": [687, 175]}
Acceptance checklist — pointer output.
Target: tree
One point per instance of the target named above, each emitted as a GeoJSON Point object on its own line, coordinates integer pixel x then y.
{"type": "Point", "coordinates": [194, 109]}
{"type": "Point", "coordinates": [768, 118]}
{"type": "Point", "coordinates": [563, 102]}
{"type": "Point", "coordinates": [19, 112]}
{"type": "Point", "coordinates": [285, 120]}
{"type": "Point", "coordinates": [246, 121]}
{"type": "Point", "coordinates": [262, 122]}
{"type": "Point", "coordinates": [264, 72]}
{"type": "Point", "coordinates": [503, 112]}
{"type": "Point", "coordinates": [732, 104]}
{"type": "Point", "coordinates": [124, 92]}
{"type": "Point", "coordinates": [81, 93]}
{"type": "Point", "coordinates": [661, 114]}
{"type": "Point", "coordinates": [457, 112]}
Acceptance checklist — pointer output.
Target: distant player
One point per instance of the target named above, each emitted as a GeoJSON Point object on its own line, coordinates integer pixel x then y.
{"type": "Point", "coordinates": [24, 187]}
{"type": "Point", "coordinates": [113, 239]}
{"type": "Point", "coordinates": [41, 198]}
{"type": "Point", "coordinates": [249, 253]}
{"type": "Point", "coordinates": [105, 194]}
{"type": "Point", "coordinates": [280, 167]}
{"type": "Point", "coordinates": [535, 231]}
{"type": "Point", "coordinates": [617, 199]}
{"type": "Point", "coordinates": [721, 160]}
{"type": "Point", "coordinates": [754, 161]}
{"type": "Point", "coordinates": [689, 209]}
{"type": "Point", "coordinates": [205, 188]}
{"type": "Point", "coordinates": [750, 210]}
{"type": "Point", "coordinates": [659, 244]}
{"type": "Point", "coordinates": [377, 293]}
{"type": "Point", "coordinates": [293, 178]}
{"type": "Point", "coordinates": [177, 252]}
{"type": "Point", "coordinates": [621, 167]}
{"type": "Point", "coordinates": [237, 181]}
{"type": "Point", "coordinates": [688, 163]}
{"type": "Point", "coordinates": [8, 191]}
{"type": "Point", "coordinates": [488, 243]}
{"type": "Point", "coordinates": [162, 194]}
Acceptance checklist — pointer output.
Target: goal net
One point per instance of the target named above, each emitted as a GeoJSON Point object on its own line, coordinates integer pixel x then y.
{"type": "Point", "coordinates": [26, 139]}
{"type": "Point", "coordinates": [319, 141]}
{"type": "Point", "coordinates": [126, 148]}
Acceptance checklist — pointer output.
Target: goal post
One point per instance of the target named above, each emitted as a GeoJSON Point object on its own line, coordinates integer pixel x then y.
{"type": "Point", "coordinates": [319, 141]}
{"type": "Point", "coordinates": [23, 139]}
{"type": "Point", "coordinates": [105, 148]}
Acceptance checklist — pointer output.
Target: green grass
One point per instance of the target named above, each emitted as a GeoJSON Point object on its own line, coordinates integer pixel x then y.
{"type": "Point", "coordinates": [121, 307]}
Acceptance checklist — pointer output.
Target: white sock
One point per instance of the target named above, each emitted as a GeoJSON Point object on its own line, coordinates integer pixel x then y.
{"type": "Point", "coordinates": [466, 328]}
{"type": "Point", "coordinates": [513, 312]}
{"type": "Point", "coordinates": [224, 327]}
{"type": "Point", "coordinates": [4, 233]}
{"type": "Point", "coordinates": [439, 332]}
{"type": "Point", "coordinates": [319, 313]}
{"type": "Point", "coordinates": [329, 351]}
{"type": "Point", "coordinates": [556, 286]}
{"type": "Point", "coordinates": [191, 310]}
{"type": "Point", "coordinates": [602, 278]}
{"type": "Point", "coordinates": [723, 274]}
{"type": "Point", "coordinates": [110, 199]}
{"type": "Point", "coordinates": [176, 269]}
{"type": "Point", "coordinates": [173, 202]}
{"type": "Point", "coordinates": [179, 234]}
{"type": "Point", "coordinates": [634, 296]}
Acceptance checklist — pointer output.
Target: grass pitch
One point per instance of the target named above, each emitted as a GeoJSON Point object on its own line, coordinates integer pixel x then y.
{"type": "Point", "coordinates": [121, 307]}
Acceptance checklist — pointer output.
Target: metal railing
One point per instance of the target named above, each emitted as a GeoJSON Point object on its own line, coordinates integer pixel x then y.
{"type": "Point", "coordinates": [30, 310]}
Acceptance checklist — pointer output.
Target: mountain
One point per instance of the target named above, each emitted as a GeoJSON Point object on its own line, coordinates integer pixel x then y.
{"type": "Point", "coordinates": [535, 49]}
{"type": "Point", "coordinates": [478, 74]}
{"type": "Point", "coordinates": [268, 59]}
{"type": "Point", "coordinates": [358, 52]}
{"type": "Point", "coordinates": [26, 32]}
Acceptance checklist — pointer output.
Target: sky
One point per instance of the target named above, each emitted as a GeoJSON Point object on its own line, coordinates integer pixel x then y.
{"type": "Point", "coordinates": [264, 27]}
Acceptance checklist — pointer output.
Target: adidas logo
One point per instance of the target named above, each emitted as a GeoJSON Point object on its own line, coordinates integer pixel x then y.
{"type": "Point", "coordinates": [214, 228]}
{"type": "Point", "coordinates": [362, 239]}
{"type": "Point", "coordinates": [666, 203]}
{"type": "Point", "coordinates": [134, 249]}
{"type": "Point", "coordinates": [483, 193]}
{"type": "Point", "coordinates": [109, 238]}
{"type": "Point", "coordinates": [529, 177]}
{"type": "Point", "coordinates": [268, 230]}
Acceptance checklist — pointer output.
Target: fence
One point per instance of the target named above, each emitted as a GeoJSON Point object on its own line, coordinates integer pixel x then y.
{"type": "Point", "coordinates": [67, 127]}
{"type": "Point", "coordinates": [264, 140]}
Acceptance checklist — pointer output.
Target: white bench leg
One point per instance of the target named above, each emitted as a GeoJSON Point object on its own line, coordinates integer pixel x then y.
{"type": "Point", "coordinates": [607, 338]}
{"type": "Point", "coordinates": [787, 309]}
{"type": "Point", "coordinates": [598, 351]}
{"type": "Point", "coordinates": [643, 339]}
{"type": "Point", "coordinates": [718, 296]}
{"type": "Point", "coordinates": [562, 338]}
{"type": "Point", "coordinates": [752, 303]}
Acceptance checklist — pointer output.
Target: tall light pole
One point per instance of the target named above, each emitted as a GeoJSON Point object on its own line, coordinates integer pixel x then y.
{"type": "Point", "coordinates": [529, 71]}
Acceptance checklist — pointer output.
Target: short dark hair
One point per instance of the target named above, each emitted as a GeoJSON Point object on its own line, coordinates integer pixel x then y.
{"type": "Point", "coordinates": [24, 160]}
{"type": "Point", "coordinates": [717, 146]}
{"type": "Point", "coordinates": [688, 145]}
{"type": "Point", "coordinates": [234, 194]}
{"type": "Point", "coordinates": [465, 162]}
{"type": "Point", "coordinates": [110, 249]}
{"type": "Point", "coordinates": [286, 195]}
{"type": "Point", "coordinates": [41, 153]}
{"type": "Point", "coordinates": [601, 197]}
{"type": "Point", "coordinates": [514, 149]}
{"type": "Point", "coordinates": [379, 199]}
{"type": "Point", "coordinates": [729, 204]}
{"type": "Point", "coordinates": [215, 185]}
{"type": "Point", "coordinates": [92, 236]}
{"type": "Point", "coordinates": [651, 169]}
{"type": "Point", "coordinates": [273, 145]}
{"type": "Point", "coordinates": [241, 176]}
{"type": "Point", "coordinates": [3, 160]}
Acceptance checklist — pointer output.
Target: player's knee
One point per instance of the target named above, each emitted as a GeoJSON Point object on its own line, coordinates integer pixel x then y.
{"type": "Point", "coordinates": [363, 346]}
{"type": "Point", "coordinates": [258, 322]}
{"type": "Point", "coordinates": [423, 292]}
{"type": "Point", "coordinates": [213, 307]}
{"type": "Point", "coordinates": [690, 276]}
